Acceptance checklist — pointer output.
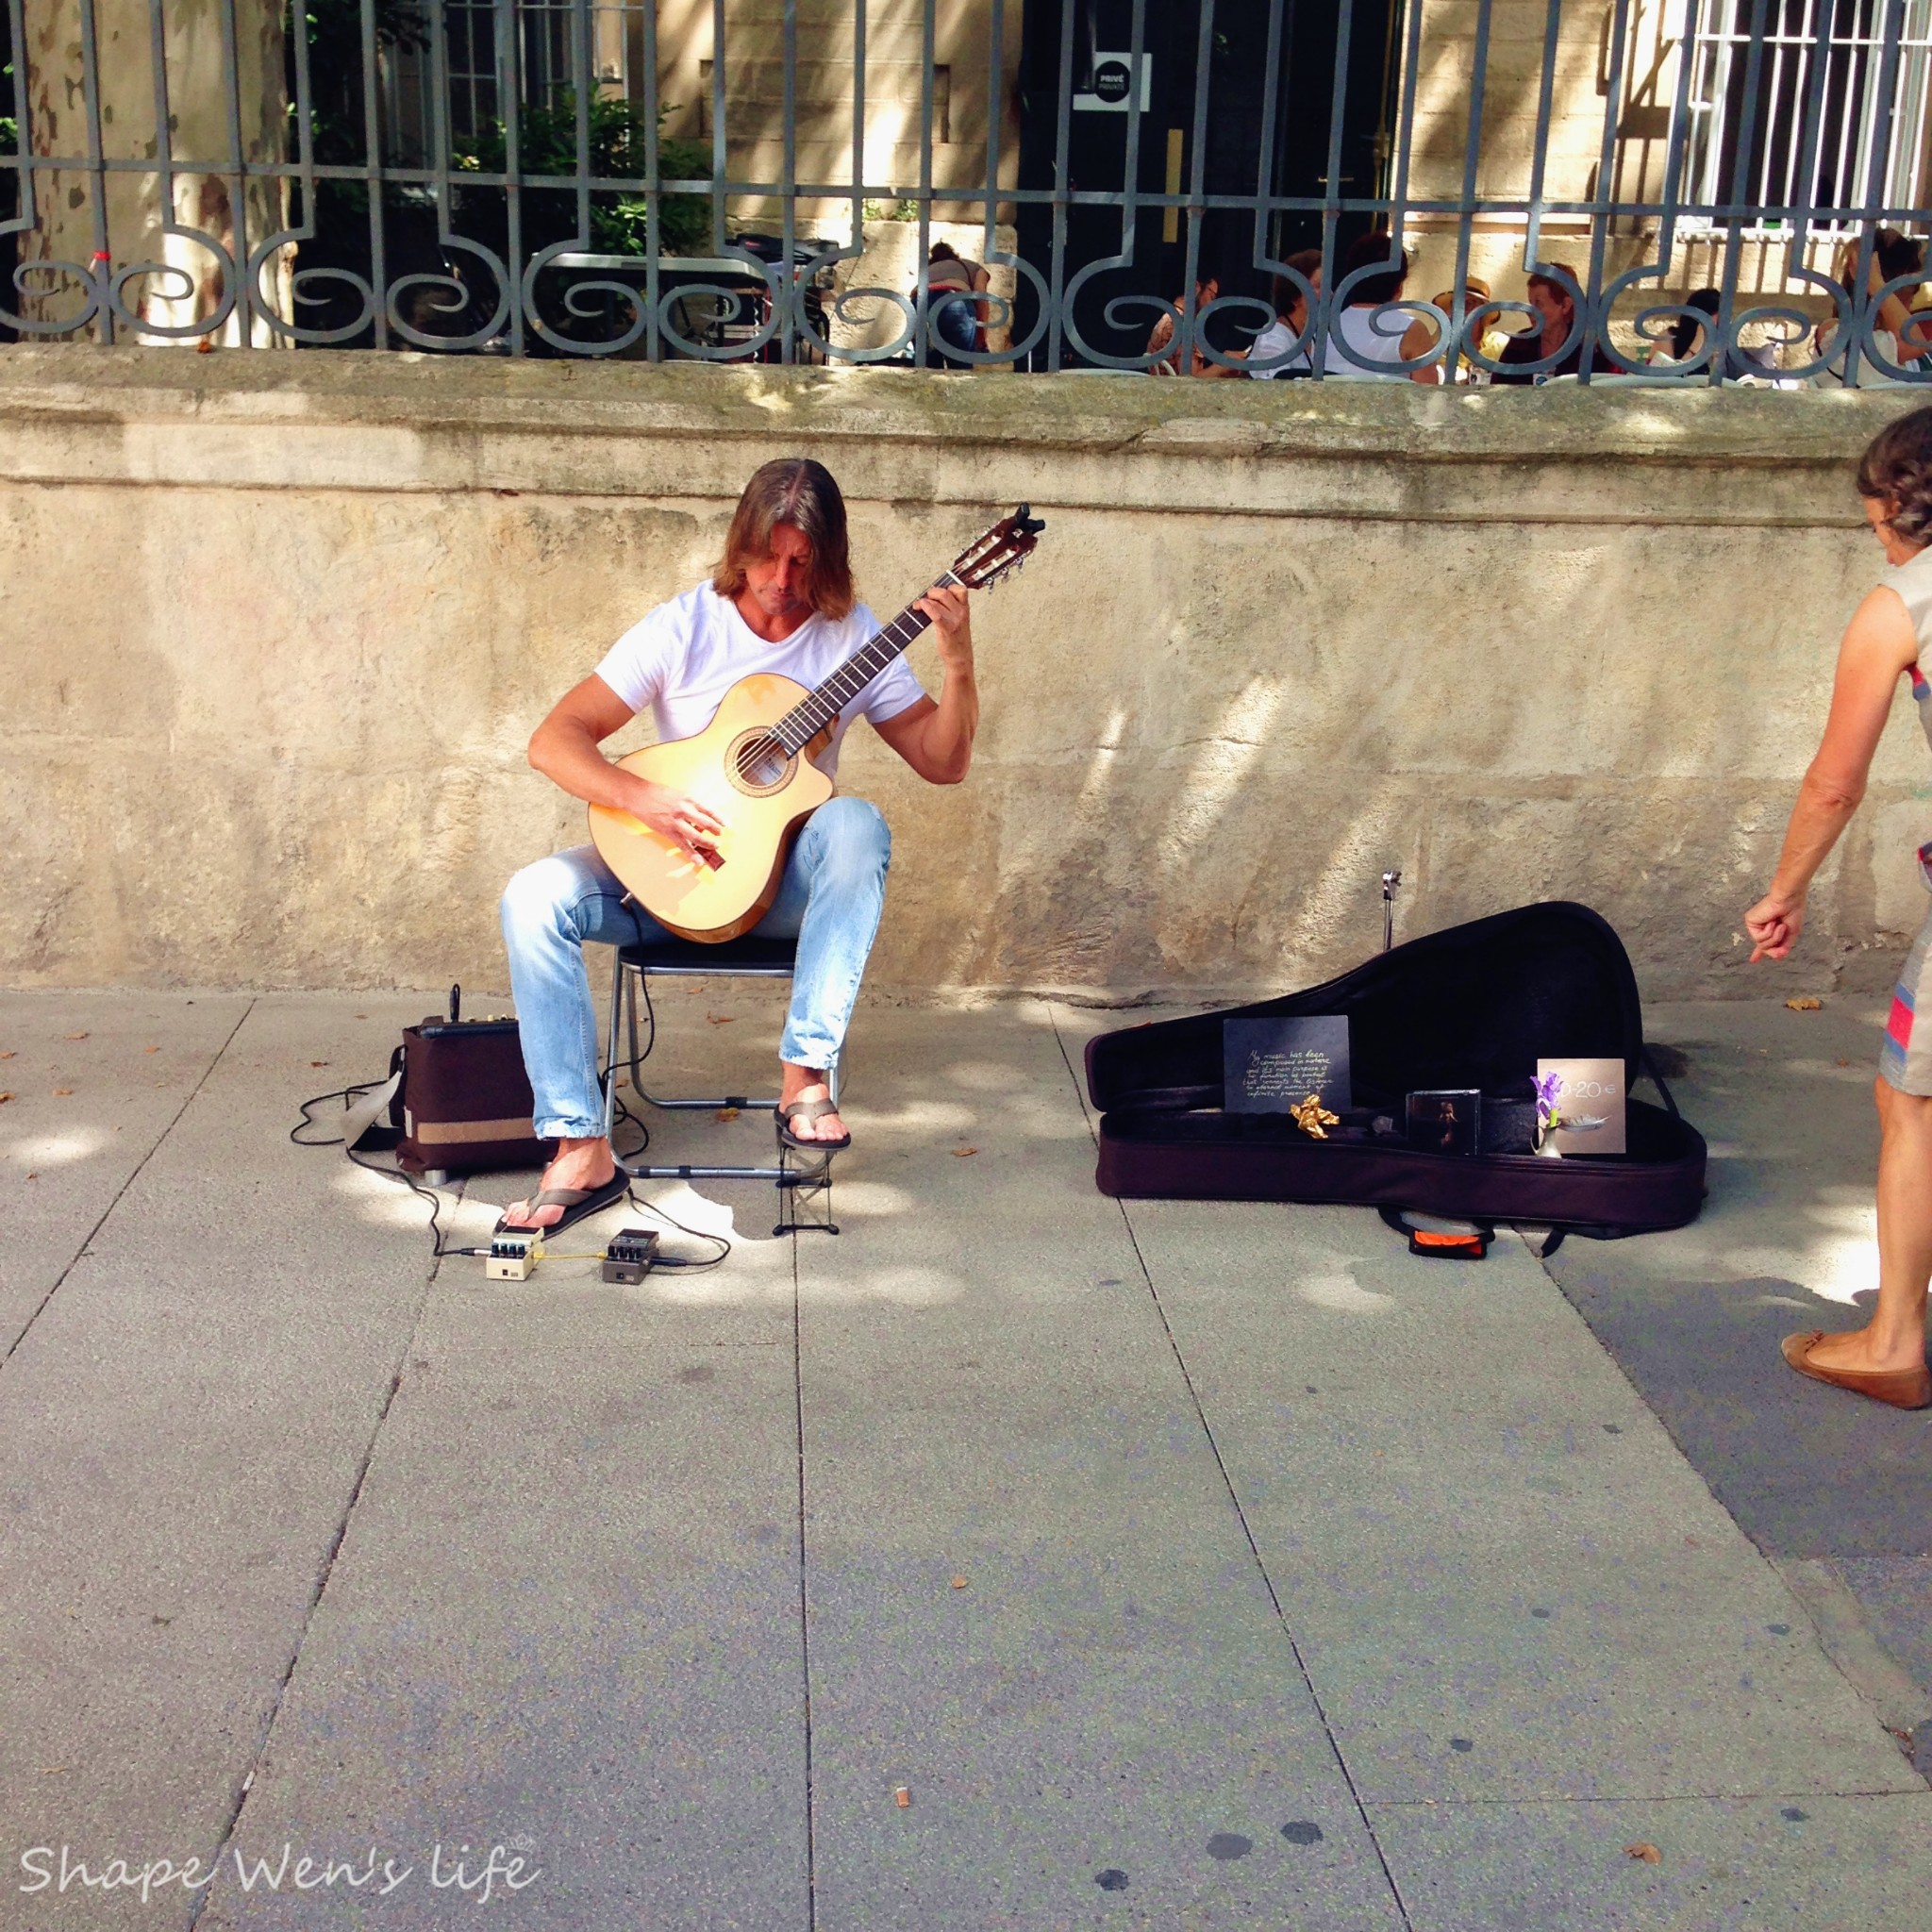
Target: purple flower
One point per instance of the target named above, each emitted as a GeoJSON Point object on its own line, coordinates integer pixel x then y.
{"type": "Point", "coordinates": [1547, 1086]}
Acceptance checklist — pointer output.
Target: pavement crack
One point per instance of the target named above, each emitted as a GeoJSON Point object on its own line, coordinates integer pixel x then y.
{"type": "Point", "coordinates": [811, 1883]}
{"type": "Point", "coordinates": [239, 1801]}
{"type": "Point", "coordinates": [1072, 1074]}
{"type": "Point", "coordinates": [1262, 1569]}
{"type": "Point", "coordinates": [1241, 1514]}
{"type": "Point", "coordinates": [86, 1243]}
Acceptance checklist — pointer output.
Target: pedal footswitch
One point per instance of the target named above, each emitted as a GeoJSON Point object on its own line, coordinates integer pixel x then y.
{"type": "Point", "coordinates": [512, 1256]}
{"type": "Point", "coordinates": [629, 1257]}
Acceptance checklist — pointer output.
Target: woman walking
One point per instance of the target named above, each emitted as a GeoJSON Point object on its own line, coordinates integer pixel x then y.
{"type": "Point", "coordinates": [1890, 634]}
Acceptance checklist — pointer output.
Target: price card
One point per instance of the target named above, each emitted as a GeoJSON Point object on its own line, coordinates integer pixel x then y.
{"type": "Point", "coordinates": [1589, 1104]}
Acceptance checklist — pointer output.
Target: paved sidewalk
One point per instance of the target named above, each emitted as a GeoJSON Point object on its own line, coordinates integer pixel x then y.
{"type": "Point", "coordinates": [1186, 1566]}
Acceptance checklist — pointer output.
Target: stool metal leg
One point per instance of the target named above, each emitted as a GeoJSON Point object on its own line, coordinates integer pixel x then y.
{"type": "Point", "coordinates": [744, 1103]}
{"type": "Point", "coordinates": [804, 1194]}
{"type": "Point", "coordinates": [624, 1012]}
{"type": "Point", "coordinates": [803, 1182]}
{"type": "Point", "coordinates": [617, 992]}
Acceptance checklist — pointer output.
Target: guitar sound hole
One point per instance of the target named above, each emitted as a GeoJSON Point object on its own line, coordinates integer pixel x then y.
{"type": "Point", "coordinates": [760, 762]}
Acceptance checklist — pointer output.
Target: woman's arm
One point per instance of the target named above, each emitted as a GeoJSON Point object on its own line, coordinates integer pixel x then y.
{"type": "Point", "coordinates": [1879, 644]}
{"type": "Point", "coordinates": [1418, 338]}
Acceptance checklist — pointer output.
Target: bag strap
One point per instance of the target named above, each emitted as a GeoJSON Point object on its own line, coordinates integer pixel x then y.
{"type": "Point", "coordinates": [1434, 1247]}
{"type": "Point", "coordinates": [371, 1104]}
{"type": "Point", "coordinates": [1657, 1080]}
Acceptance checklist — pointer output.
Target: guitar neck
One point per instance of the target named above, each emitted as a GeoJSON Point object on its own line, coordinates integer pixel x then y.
{"type": "Point", "coordinates": [810, 716]}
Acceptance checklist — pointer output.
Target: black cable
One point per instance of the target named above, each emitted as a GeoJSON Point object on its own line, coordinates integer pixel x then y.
{"type": "Point", "coordinates": [651, 1020]}
{"type": "Point", "coordinates": [389, 1173]}
{"type": "Point", "coordinates": [623, 1116]}
{"type": "Point", "coordinates": [308, 1120]}
{"type": "Point", "coordinates": [696, 1234]}
{"type": "Point", "coordinates": [620, 1115]}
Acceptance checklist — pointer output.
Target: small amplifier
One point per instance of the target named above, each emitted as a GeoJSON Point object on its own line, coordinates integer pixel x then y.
{"type": "Point", "coordinates": [629, 1257]}
{"type": "Point", "coordinates": [465, 1100]}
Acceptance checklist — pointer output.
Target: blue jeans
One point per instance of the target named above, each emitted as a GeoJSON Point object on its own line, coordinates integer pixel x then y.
{"type": "Point", "coordinates": [955, 321]}
{"type": "Point", "coordinates": [833, 892]}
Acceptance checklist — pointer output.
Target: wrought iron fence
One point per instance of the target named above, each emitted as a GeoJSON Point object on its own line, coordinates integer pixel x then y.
{"type": "Point", "coordinates": [1634, 190]}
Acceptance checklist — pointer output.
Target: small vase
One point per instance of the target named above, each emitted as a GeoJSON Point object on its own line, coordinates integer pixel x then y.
{"type": "Point", "coordinates": [1547, 1149]}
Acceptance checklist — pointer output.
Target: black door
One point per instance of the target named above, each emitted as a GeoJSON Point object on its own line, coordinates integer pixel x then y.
{"type": "Point", "coordinates": [1095, 125]}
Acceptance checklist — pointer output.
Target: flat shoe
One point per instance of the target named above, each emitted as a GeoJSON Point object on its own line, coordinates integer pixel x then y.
{"type": "Point", "coordinates": [1900, 1388]}
{"type": "Point", "coordinates": [578, 1204]}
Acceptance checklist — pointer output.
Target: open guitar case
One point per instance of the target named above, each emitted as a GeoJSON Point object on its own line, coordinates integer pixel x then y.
{"type": "Point", "coordinates": [1473, 1007]}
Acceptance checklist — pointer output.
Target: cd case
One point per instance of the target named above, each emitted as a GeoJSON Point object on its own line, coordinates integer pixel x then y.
{"type": "Point", "coordinates": [1446, 1120]}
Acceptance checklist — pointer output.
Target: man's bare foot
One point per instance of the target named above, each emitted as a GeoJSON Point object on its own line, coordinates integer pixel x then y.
{"type": "Point", "coordinates": [1857, 1349]}
{"type": "Point", "coordinates": [809, 1083]}
{"type": "Point", "coordinates": [578, 1164]}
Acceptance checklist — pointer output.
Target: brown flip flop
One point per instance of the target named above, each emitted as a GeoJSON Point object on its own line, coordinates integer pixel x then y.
{"type": "Point", "coordinates": [578, 1204]}
{"type": "Point", "coordinates": [1900, 1388]}
{"type": "Point", "coordinates": [809, 1112]}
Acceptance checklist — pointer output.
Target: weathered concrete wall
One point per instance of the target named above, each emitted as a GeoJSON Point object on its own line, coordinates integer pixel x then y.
{"type": "Point", "coordinates": [274, 631]}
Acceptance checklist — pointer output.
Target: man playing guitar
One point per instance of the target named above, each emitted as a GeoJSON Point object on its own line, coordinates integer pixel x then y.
{"type": "Point", "coordinates": [780, 601]}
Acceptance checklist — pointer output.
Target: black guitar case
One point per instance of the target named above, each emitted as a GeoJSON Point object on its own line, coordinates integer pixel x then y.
{"type": "Point", "coordinates": [1473, 1007]}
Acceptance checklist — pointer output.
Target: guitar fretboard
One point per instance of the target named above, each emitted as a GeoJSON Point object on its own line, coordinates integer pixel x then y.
{"type": "Point", "coordinates": [806, 719]}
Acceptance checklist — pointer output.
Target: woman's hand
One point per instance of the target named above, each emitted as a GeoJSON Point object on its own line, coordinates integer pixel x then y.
{"type": "Point", "coordinates": [1775, 924]}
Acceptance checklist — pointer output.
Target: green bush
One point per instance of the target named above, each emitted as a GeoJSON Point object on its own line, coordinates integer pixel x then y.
{"type": "Point", "coordinates": [547, 144]}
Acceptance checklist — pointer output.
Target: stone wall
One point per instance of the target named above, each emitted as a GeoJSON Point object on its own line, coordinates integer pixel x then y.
{"type": "Point", "coordinates": [275, 630]}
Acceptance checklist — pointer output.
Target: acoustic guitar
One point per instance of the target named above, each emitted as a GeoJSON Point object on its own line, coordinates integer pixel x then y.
{"type": "Point", "coordinates": [753, 766]}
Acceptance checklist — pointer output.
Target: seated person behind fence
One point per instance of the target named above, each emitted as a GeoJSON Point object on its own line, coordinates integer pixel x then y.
{"type": "Point", "coordinates": [1282, 344]}
{"type": "Point", "coordinates": [957, 319]}
{"type": "Point", "coordinates": [1686, 342]}
{"type": "Point", "coordinates": [1556, 308]}
{"type": "Point", "coordinates": [1358, 329]}
{"type": "Point", "coordinates": [781, 601]}
{"type": "Point", "coordinates": [1423, 334]}
{"type": "Point", "coordinates": [1897, 335]}
{"type": "Point", "coordinates": [1160, 337]}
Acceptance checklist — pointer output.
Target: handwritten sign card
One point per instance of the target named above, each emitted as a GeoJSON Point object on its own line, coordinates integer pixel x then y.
{"type": "Point", "coordinates": [1268, 1066]}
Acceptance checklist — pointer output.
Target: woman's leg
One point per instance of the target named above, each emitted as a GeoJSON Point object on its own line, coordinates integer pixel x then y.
{"type": "Point", "coordinates": [955, 320]}
{"type": "Point", "coordinates": [1895, 1335]}
{"type": "Point", "coordinates": [1905, 1226]}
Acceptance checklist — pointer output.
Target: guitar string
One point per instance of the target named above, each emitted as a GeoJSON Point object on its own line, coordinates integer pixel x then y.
{"type": "Point", "coordinates": [813, 713]}
{"type": "Point", "coordinates": [810, 716]}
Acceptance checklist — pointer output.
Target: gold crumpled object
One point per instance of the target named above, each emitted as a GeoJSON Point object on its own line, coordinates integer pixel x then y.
{"type": "Point", "coordinates": [1311, 1117]}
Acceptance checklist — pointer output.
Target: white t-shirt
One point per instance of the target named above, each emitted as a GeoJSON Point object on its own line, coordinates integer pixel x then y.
{"type": "Point", "coordinates": [1373, 338]}
{"type": "Point", "coordinates": [1870, 374]}
{"type": "Point", "coordinates": [683, 658]}
{"type": "Point", "coordinates": [1276, 340]}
